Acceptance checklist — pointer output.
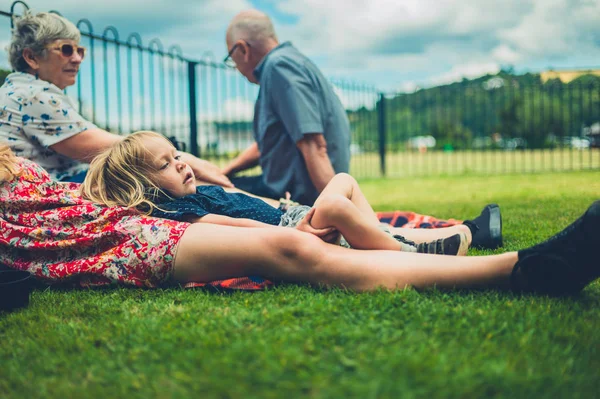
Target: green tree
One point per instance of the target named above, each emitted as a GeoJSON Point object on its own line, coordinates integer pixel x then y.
{"type": "Point", "coordinates": [508, 105]}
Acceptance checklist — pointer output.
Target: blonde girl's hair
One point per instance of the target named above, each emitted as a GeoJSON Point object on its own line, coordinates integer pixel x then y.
{"type": "Point", "coordinates": [124, 174]}
{"type": "Point", "coordinates": [9, 165]}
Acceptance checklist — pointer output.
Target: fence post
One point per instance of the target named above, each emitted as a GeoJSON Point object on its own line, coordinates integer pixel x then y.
{"type": "Point", "coordinates": [381, 127]}
{"type": "Point", "coordinates": [192, 100]}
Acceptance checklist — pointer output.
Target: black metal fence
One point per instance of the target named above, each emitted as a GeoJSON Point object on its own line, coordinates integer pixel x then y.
{"type": "Point", "coordinates": [495, 124]}
{"type": "Point", "coordinates": [499, 124]}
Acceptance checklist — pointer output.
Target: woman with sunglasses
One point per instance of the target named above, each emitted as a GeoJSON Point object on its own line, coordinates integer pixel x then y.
{"type": "Point", "coordinates": [38, 120]}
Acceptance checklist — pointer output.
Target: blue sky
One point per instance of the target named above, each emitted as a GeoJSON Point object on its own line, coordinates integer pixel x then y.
{"type": "Point", "coordinates": [394, 45]}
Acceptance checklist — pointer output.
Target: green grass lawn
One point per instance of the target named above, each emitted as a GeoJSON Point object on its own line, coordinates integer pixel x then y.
{"type": "Point", "coordinates": [295, 341]}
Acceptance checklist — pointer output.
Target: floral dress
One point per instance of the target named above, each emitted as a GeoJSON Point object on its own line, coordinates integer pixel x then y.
{"type": "Point", "coordinates": [47, 229]}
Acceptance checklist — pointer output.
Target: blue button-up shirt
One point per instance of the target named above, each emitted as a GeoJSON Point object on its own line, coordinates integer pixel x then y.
{"type": "Point", "coordinates": [296, 99]}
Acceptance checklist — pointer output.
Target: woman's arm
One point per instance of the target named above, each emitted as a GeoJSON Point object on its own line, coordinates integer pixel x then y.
{"type": "Point", "coordinates": [86, 145]}
{"type": "Point", "coordinates": [227, 221]}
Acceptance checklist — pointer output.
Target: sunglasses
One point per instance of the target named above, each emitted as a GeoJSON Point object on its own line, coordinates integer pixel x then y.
{"type": "Point", "coordinates": [67, 50]}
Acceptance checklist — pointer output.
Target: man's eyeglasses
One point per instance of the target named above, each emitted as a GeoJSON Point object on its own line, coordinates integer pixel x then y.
{"type": "Point", "coordinates": [228, 61]}
{"type": "Point", "coordinates": [67, 50]}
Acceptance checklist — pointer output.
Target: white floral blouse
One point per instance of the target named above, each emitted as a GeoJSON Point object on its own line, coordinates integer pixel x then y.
{"type": "Point", "coordinates": [36, 114]}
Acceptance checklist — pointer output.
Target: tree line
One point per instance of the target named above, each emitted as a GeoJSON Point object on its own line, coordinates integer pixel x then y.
{"type": "Point", "coordinates": [486, 112]}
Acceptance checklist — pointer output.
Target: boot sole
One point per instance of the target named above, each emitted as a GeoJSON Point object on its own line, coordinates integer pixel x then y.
{"type": "Point", "coordinates": [464, 245]}
{"type": "Point", "coordinates": [495, 226]}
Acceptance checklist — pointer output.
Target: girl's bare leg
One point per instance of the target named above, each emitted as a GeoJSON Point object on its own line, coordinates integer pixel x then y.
{"type": "Point", "coordinates": [359, 229]}
{"type": "Point", "coordinates": [345, 185]}
{"type": "Point", "coordinates": [343, 205]}
{"type": "Point", "coordinates": [208, 252]}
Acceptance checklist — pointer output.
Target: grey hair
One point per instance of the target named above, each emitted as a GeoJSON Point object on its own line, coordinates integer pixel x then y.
{"type": "Point", "coordinates": [253, 26]}
{"type": "Point", "coordinates": [36, 31]}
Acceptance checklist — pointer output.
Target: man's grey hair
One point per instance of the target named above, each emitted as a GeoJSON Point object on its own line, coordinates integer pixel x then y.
{"type": "Point", "coordinates": [36, 31]}
{"type": "Point", "coordinates": [252, 26]}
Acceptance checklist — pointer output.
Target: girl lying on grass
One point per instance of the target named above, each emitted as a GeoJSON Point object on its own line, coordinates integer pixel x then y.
{"type": "Point", "coordinates": [145, 171]}
{"type": "Point", "coordinates": [50, 231]}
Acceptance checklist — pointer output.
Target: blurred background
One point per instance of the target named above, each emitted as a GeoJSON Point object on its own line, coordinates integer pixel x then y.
{"type": "Point", "coordinates": [430, 87]}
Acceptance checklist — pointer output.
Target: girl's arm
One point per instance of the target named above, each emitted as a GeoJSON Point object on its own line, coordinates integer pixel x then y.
{"type": "Point", "coordinates": [227, 221]}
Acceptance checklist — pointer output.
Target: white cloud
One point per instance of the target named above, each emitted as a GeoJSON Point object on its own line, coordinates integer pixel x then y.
{"type": "Point", "coordinates": [408, 87]}
{"type": "Point", "coordinates": [433, 39]}
{"type": "Point", "coordinates": [505, 54]}
{"type": "Point", "coordinates": [543, 31]}
{"type": "Point", "coordinates": [195, 25]}
{"type": "Point", "coordinates": [238, 109]}
{"type": "Point", "coordinates": [468, 70]}
{"type": "Point", "coordinates": [355, 97]}
{"type": "Point", "coordinates": [350, 25]}
{"type": "Point", "coordinates": [387, 42]}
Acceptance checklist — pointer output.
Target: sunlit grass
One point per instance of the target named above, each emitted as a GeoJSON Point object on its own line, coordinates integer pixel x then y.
{"type": "Point", "coordinates": [296, 341]}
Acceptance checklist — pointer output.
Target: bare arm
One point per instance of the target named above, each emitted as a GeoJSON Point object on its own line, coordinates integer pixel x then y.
{"type": "Point", "coordinates": [246, 160]}
{"type": "Point", "coordinates": [227, 221]}
{"type": "Point", "coordinates": [86, 145]}
{"type": "Point", "coordinates": [314, 151]}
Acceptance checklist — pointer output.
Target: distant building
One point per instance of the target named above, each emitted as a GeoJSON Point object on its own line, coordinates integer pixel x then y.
{"type": "Point", "coordinates": [567, 76]}
{"type": "Point", "coordinates": [493, 83]}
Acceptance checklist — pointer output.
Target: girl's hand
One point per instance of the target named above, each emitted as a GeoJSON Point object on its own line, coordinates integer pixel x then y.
{"type": "Point", "coordinates": [328, 234]}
